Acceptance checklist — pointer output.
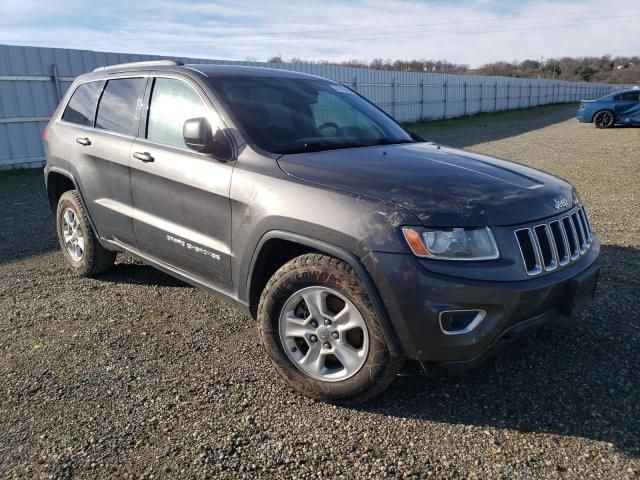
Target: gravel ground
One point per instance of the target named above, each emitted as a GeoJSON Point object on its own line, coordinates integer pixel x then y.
{"type": "Point", "coordinates": [137, 375]}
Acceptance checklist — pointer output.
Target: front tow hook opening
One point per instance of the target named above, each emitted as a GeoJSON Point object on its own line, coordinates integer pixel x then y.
{"type": "Point", "coordinates": [459, 322]}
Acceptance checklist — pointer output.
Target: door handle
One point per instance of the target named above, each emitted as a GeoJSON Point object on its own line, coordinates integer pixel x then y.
{"type": "Point", "coordinates": [144, 156]}
{"type": "Point", "coordinates": [83, 141]}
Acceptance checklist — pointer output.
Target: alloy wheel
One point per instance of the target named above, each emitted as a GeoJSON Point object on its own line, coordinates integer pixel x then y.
{"type": "Point", "coordinates": [72, 235]}
{"type": "Point", "coordinates": [324, 334]}
{"type": "Point", "coordinates": [604, 119]}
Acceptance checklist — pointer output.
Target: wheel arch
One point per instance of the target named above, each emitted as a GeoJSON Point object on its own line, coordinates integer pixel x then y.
{"type": "Point", "coordinates": [603, 109]}
{"type": "Point", "coordinates": [58, 181]}
{"type": "Point", "coordinates": [292, 244]}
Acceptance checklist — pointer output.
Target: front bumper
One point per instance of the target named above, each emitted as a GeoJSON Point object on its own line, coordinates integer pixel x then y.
{"type": "Point", "coordinates": [414, 297]}
{"type": "Point", "coordinates": [584, 115]}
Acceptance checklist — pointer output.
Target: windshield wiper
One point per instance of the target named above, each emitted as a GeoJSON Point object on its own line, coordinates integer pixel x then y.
{"type": "Point", "coordinates": [318, 147]}
{"type": "Point", "coordinates": [386, 141]}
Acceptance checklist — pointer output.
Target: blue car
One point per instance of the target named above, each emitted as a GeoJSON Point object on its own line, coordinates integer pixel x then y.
{"type": "Point", "coordinates": [620, 108]}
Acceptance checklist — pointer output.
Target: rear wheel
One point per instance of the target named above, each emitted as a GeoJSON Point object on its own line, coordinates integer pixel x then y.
{"type": "Point", "coordinates": [84, 254]}
{"type": "Point", "coordinates": [321, 332]}
{"type": "Point", "coordinates": [603, 119]}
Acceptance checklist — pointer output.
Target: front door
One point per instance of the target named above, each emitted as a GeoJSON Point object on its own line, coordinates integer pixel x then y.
{"type": "Point", "coordinates": [182, 212]}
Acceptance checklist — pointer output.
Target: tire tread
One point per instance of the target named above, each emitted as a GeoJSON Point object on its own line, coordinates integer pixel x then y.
{"type": "Point", "coordinates": [381, 377]}
{"type": "Point", "coordinates": [96, 258]}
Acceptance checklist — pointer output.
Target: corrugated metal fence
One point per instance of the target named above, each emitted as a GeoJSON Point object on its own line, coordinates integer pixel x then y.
{"type": "Point", "coordinates": [33, 79]}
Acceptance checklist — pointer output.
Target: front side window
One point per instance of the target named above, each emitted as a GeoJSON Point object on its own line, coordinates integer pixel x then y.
{"type": "Point", "coordinates": [82, 106]}
{"type": "Point", "coordinates": [172, 103]}
{"type": "Point", "coordinates": [117, 111]}
{"type": "Point", "coordinates": [293, 115]}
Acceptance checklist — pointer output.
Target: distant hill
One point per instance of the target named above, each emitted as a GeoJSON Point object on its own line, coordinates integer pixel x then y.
{"type": "Point", "coordinates": [582, 69]}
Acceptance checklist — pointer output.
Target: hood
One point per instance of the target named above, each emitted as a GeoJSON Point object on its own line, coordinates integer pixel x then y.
{"type": "Point", "coordinates": [443, 186]}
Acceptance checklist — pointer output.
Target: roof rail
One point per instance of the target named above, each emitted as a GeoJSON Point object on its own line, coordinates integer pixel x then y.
{"type": "Point", "coordinates": [151, 63]}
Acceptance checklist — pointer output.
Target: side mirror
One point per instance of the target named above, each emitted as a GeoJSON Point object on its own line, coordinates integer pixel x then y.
{"type": "Point", "coordinates": [199, 137]}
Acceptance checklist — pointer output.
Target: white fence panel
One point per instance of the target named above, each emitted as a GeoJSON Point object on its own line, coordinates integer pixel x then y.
{"type": "Point", "coordinates": [33, 79]}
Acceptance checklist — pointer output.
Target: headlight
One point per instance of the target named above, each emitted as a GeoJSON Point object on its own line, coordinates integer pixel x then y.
{"type": "Point", "coordinates": [452, 243]}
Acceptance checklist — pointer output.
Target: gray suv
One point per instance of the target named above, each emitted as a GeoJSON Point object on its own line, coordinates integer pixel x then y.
{"type": "Point", "coordinates": [354, 243]}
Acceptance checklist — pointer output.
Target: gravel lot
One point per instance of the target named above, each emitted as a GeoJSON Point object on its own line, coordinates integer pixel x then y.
{"type": "Point", "coordinates": [137, 375]}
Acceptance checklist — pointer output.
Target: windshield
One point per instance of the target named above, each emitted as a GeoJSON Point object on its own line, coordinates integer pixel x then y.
{"type": "Point", "coordinates": [293, 115]}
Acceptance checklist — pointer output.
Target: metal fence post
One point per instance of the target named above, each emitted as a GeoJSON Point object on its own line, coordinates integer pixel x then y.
{"type": "Point", "coordinates": [422, 115]}
{"type": "Point", "coordinates": [355, 83]}
{"type": "Point", "coordinates": [481, 96]}
{"type": "Point", "coordinates": [445, 98]}
{"type": "Point", "coordinates": [520, 95]}
{"type": "Point", "coordinates": [495, 97]}
{"type": "Point", "coordinates": [56, 81]}
{"type": "Point", "coordinates": [464, 98]}
{"type": "Point", "coordinates": [393, 100]}
{"type": "Point", "coordinates": [508, 94]}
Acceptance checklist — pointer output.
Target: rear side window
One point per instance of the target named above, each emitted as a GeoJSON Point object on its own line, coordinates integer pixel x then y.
{"type": "Point", "coordinates": [117, 111]}
{"type": "Point", "coordinates": [628, 96]}
{"type": "Point", "coordinates": [82, 106]}
{"type": "Point", "coordinates": [172, 103]}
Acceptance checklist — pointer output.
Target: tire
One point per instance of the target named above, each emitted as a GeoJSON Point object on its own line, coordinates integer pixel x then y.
{"type": "Point", "coordinates": [338, 286]}
{"type": "Point", "coordinates": [91, 258]}
{"type": "Point", "coordinates": [604, 119]}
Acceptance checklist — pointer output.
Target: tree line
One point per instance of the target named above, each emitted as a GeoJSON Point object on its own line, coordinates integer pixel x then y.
{"type": "Point", "coordinates": [603, 69]}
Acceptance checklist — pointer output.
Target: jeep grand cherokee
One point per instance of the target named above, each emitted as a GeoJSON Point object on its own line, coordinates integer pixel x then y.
{"type": "Point", "coordinates": [353, 243]}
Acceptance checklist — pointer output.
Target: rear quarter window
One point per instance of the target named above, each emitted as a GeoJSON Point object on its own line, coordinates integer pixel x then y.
{"type": "Point", "coordinates": [119, 105]}
{"type": "Point", "coordinates": [627, 97]}
{"type": "Point", "coordinates": [82, 106]}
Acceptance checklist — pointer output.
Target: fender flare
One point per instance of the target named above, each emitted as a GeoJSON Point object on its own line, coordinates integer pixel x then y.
{"type": "Point", "coordinates": [387, 330]}
{"type": "Point", "coordinates": [76, 186]}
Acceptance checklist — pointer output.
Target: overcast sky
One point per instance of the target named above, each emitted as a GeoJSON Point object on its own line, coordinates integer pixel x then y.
{"type": "Point", "coordinates": [472, 32]}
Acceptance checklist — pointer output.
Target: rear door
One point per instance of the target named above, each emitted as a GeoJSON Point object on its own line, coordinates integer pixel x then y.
{"type": "Point", "coordinates": [100, 153]}
{"type": "Point", "coordinates": [182, 212]}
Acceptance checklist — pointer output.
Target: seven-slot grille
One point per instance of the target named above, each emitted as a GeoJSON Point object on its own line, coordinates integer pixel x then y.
{"type": "Point", "coordinates": [554, 244]}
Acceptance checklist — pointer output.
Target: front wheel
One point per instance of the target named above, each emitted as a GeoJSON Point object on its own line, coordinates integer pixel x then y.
{"type": "Point", "coordinates": [603, 119]}
{"type": "Point", "coordinates": [321, 332]}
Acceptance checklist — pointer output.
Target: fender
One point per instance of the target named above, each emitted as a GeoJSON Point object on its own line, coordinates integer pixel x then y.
{"type": "Point", "coordinates": [334, 251]}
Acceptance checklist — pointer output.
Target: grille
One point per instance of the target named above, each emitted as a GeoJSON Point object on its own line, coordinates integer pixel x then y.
{"type": "Point", "coordinates": [554, 244]}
